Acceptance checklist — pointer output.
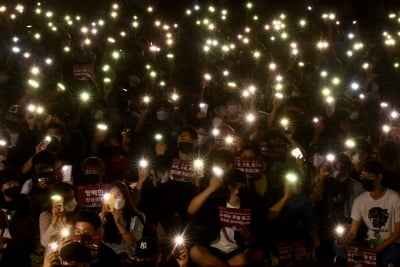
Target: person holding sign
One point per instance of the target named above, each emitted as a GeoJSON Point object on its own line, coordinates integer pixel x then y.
{"type": "Point", "coordinates": [379, 209]}
{"type": "Point", "coordinates": [223, 221]}
{"type": "Point", "coordinates": [123, 223]}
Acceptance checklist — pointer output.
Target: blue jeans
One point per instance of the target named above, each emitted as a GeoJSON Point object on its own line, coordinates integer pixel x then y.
{"type": "Point", "coordinates": [390, 254]}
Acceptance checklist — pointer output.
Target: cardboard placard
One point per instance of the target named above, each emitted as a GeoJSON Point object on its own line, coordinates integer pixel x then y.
{"type": "Point", "coordinates": [230, 217]}
{"type": "Point", "coordinates": [361, 257]}
{"type": "Point", "coordinates": [91, 242]}
{"type": "Point", "coordinates": [291, 253]}
{"type": "Point", "coordinates": [252, 167]}
{"type": "Point", "coordinates": [183, 170]}
{"type": "Point", "coordinates": [91, 195]}
{"type": "Point", "coordinates": [82, 71]}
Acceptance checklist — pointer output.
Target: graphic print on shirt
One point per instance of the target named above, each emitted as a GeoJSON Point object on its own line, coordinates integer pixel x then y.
{"type": "Point", "coordinates": [378, 218]}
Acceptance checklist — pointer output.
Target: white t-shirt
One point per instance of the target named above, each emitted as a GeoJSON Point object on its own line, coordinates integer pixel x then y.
{"type": "Point", "coordinates": [135, 229]}
{"type": "Point", "coordinates": [225, 242]}
{"type": "Point", "coordinates": [379, 215]}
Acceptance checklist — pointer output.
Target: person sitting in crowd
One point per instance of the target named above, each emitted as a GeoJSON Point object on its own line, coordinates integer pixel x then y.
{"type": "Point", "coordinates": [12, 252]}
{"type": "Point", "coordinates": [88, 223]}
{"type": "Point", "coordinates": [17, 206]}
{"type": "Point", "coordinates": [122, 222]}
{"type": "Point", "coordinates": [379, 209]}
{"type": "Point", "coordinates": [215, 244]}
{"type": "Point", "coordinates": [58, 216]}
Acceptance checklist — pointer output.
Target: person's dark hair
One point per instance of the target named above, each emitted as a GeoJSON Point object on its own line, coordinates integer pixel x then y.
{"type": "Point", "coordinates": [222, 155]}
{"type": "Point", "coordinates": [44, 157]}
{"type": "Point", "coordinates": [61, 188]}
{"type": "Point", "coordinates": [364, 146]}
{"type": "Point", "coordinates": [8, 175]}
{"type": "Point", "coordinates": [89, 217]}
{"type": "Point", "coordinates": [77, 252]}
{"type": "Point", "coordinates": [55, 125]}
{"type": "Point", "coordinates": [373, 166]}
{"type": "Point", "coordinates": [94, 162]}
{"type": "Point", "coordinates": [235, 177]}
{"type": "Point", "coordinates": [192, 131]}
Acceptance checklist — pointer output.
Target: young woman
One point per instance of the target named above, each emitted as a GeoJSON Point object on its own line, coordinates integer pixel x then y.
{"type": "Point", "coordinates": [123, 222]}
{"type": "Point", "coordinates": [59, 214]}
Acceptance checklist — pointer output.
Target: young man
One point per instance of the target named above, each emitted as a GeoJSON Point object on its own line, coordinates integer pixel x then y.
{"type": "Point", "coordinates": [88, 223]}
{"type": "Point", "coordinates": [379, 209]}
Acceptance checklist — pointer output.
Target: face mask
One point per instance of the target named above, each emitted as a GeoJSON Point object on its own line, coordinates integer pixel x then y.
{"type": "Point", "coordinates": [317, 160]}
{"type": "Point", "coordinates": [162, 115]}
{"type": "Point", "coordinates": [335, 173]}
{"type": "Point", "coordinates": [295, 94]}
{"type": "Point", "coordinates": [119, 203]}
{"type": "Point", "coordinates": [353, 115]}
{"type": "Point", "coordinates": [185, 147]}
{"type": "Point", "coordinates": [12, 192]}
{"type": "Point", "coordinates": [98, 115]}
{"type": "Point", "coordinates": [355, 159]}
{"type": "Point", "coordinates": [162, 176]}
{"type": "Point", "coordinates": [216, 122]}
{"type": "Point", "coordinates": [14, 139]}
{"type": "Point", "coordinates": [232, 109]}
{"type": "Point", "coordinates": [92, 178]}
{"type": "Point", "coordinates": [71, 206]}
{"type": "Point", "coordinates": [368, 185]}
{"type": "Point", "coordinates": [202, 139]}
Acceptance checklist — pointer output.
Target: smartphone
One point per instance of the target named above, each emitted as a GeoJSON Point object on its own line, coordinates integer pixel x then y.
{"type": "Point", "coordinates": [58, 203]}
{"type": "Point", "coordinates": [66, 171]}
{"type": "Point", "coordinates": [297, 153]}
{"type": "Point", "coordinates": [203, 107]}
{"type": "Point", "coordinates": [109, 200]}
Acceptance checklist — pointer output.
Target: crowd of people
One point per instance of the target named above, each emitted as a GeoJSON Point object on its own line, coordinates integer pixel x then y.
{"type": "Point", "coordinates": [131, 136]}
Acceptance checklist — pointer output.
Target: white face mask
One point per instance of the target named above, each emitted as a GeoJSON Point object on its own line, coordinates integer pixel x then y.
{"type": "Point", "coordinates": [14, 139]}
{"type": "Point", "coordinates": [355, 159]}
{"type": "Point", "coordinates": [162, 115]}
{"type": "Point", "coordinates": [216, 122]}
{"type": "Point", "coordinates": [233, 109]}
{"type": "Point", "coordinates": [317, 160]}
{"type": "Point", "coordinates": [202, 139]}
{"type": "Point", "coordinates": [119, 203]}
{"type": "Point", "coordinates": [335, 173]}
{"type": "Point", "coordinates": [71, 206]}
{"type": "Point", "coordinates": [353, 115]}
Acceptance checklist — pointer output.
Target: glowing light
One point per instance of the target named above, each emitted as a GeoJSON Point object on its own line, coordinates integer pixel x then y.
{"type": "Point", "coordinates": [386, 128]}
{"type": "Point", "coordinates": [85, 96]}
{"type": "Point", "coordinates": [35, 70]}
{"type": "Point", "coordinates": [215, 132]}
{"type": "Point", "coordinates": [33, 83]}
{"type": "Point", "coordinates": [218, 171]}
{"type": "Point", "coordinates": [340, 230]}
{"type": "Point", "coordinates": [250, 118]}
{"type": "Point", "coordinates": [291, 177]}
{"type": "Point", "coordinates": [330, 157]}
{"type": "Point", "coordinates": [207, 77]}
{"type": "Point", "coordinates": [143, 163]}
{"type": "Point", "coordinates": [198, 163]}
{"type": "Point", "coordinates": [350, 143]}
{"type": "Point", "coordinates": [354, 86]}
{"type": "Point", "coordinates": [146, 99]}
{"type": "Point", "coordinates": [394, 114]}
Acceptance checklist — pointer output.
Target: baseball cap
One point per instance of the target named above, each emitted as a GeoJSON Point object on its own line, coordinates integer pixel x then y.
{"type": "Point", "coordinates": [147, 248]}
